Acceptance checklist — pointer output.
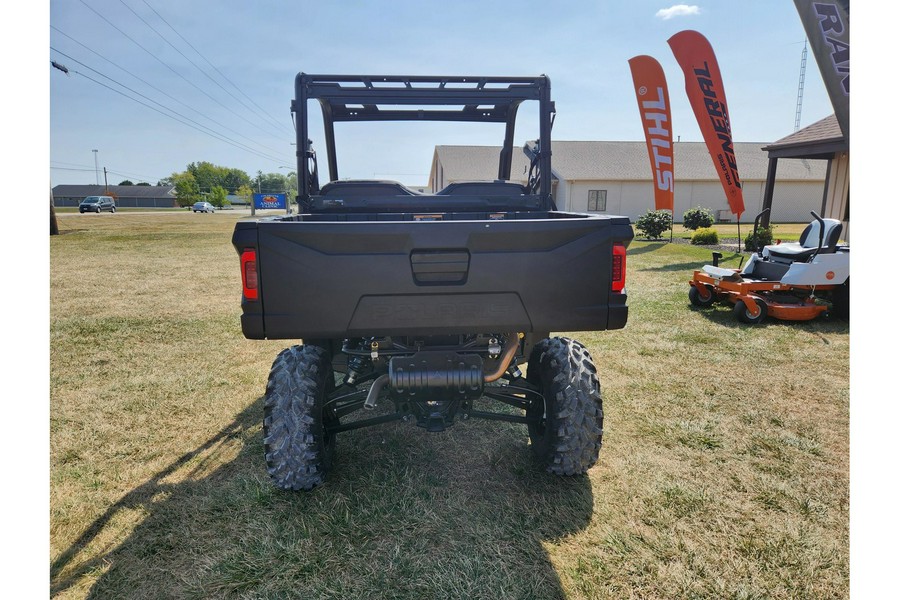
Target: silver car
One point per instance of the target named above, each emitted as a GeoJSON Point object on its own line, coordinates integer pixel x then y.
{"type": "Point", "coordinates": [204, 207]}
{"type": "Point", "coordinates": [97, 204]}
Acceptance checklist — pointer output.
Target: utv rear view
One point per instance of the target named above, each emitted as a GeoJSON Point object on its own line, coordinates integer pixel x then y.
{"type": "Point", "coordinates": [430, 304]}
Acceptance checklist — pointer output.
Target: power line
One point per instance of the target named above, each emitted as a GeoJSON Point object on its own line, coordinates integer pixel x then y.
{"type": "Point", "coordinates": [197, 127]}
{"type": "Point", "coordinates": [183, 55]}
{"type": "Point", "coordinates": [191, 83]}
{"type": "Point", "coordinates": [216, 69]}
{"type": "Point", "coordinates": [150, 85]}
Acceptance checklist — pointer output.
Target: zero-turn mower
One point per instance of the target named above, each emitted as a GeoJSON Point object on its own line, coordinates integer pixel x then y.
{"type": "Point", "coordinates": [795, 281]}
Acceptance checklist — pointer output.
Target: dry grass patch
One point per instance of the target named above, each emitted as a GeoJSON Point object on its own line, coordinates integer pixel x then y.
{"type": "Point", "coordinates": [724, 472]}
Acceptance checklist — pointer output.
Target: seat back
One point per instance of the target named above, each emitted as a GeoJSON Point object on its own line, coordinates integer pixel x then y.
{"type": "Point", "coordinates": [810, 236]}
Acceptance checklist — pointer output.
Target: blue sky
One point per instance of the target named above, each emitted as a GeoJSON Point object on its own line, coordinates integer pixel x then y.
{"type": "Point", "coordinates": [234, 75]}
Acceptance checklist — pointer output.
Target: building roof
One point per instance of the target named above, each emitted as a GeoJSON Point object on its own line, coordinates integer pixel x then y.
{"type": "Point", "coordinates": [824, 137]}
{"type": "Point", "coordinates": [621, 161]}
{"type": "Point", "coordinates": [121, 191]}
{"type": "Point", "coordinates": [478, 163]}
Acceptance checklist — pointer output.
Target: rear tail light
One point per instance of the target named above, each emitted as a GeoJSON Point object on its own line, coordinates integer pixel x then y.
{"type": "Point", "coordinates": [249, 276]}
{"type": "Point", "coordinates": [618, 268]}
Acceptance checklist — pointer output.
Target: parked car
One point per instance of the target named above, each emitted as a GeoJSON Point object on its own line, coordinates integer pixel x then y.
{"type": "Point", "coordinates": [204, 207]}
{"type": "Point", "coordinates": [97, 204]}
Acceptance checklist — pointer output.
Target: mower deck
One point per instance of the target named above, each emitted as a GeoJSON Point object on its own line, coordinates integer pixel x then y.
{"type": "Point", "coordinates": [780, 300]}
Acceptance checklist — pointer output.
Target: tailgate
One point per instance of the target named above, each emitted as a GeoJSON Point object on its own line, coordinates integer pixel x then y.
{"type": "Point", "coordinates": [327, 279]}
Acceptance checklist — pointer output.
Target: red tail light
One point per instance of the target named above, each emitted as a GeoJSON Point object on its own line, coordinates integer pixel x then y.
{"type": "Point", "coordinates": [618, 268]}
{"type": "Point", "coordinates": [248, 274]}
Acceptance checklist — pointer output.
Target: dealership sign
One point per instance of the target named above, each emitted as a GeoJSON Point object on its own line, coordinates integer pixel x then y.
{"type": "Point", "coordinates": [270, 201]}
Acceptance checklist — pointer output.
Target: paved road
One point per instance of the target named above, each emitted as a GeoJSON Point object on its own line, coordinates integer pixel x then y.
{"type": "Point", "coordinates": [243, 212]}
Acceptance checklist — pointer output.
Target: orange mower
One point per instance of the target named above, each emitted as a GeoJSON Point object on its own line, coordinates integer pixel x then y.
{"type": "Point", "coordinates": [795, 281]}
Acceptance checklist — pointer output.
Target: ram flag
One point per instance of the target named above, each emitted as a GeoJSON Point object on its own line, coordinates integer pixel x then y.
{"type": "Point", "coordinates": [827, 25]}
{"type": "Point", "coordinates": [703, 83]}
{"type": "Point", "coordinates": [653, 103]}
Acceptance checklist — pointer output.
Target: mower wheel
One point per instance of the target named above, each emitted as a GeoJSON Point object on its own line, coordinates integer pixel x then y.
{"type": "Point", "coordinates": [701, 298]}
{"type": "Point", "coordinates": [744, 315]}
{"type": "Point", "coordinates": [298, 447]}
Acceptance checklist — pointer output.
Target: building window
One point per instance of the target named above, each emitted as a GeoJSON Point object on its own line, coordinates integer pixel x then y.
{"type": "Point", "coordinates": [596, 200]}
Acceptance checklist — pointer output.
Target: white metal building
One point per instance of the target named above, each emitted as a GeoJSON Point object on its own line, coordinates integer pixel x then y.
{"type": "Point", "coordinates": [614, 178]}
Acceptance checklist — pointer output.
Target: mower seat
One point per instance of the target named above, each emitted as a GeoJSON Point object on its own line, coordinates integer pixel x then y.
{"type": "Point", "coordinates": [808, 245]}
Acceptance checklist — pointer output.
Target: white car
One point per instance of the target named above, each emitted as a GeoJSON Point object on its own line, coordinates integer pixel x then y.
{"type": "Point", "coordinates": [204, 207]}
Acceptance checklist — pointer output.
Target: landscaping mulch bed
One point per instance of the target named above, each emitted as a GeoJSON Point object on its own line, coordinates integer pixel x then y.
{"type": "Point", "coordinates": [724, 245]}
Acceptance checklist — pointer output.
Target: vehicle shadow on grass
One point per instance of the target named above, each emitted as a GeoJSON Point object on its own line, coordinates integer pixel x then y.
{"type": "Point", "coordinates": [650, 246]}
{"type": "Point", "coordinates": [67, 569]}
{"type": "Point", "coordinates": [690, 267]}
{"type": "Point", "coordinates": [405, 514]}
{"type": "Point", "coordinates": [722, 314]}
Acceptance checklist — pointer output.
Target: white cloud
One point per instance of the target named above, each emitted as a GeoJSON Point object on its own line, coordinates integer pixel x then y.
{"type": "Point", "coordinates": [679, 10]}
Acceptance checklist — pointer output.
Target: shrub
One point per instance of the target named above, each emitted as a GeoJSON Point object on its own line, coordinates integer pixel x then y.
{"type": "Point", "coordinates": [763, 238]}
{"type": "Point", "coordinates": [704, 236]}
{"type": "Point", "coordinates": [654, 223]}
{"type": "Point", "coordinates": [697, 217]}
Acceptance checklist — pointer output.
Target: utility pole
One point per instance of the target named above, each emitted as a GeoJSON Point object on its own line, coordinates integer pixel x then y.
{"type": "Point", "coordinates": [105, 181]}
{"type": "Point", "coordinates": [96, 167]}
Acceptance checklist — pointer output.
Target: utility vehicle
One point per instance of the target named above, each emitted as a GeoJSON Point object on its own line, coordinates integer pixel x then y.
{"type": "Point", "coordinates": [796, 281]}
{"type": "Point", "coordinates": [426, 304]}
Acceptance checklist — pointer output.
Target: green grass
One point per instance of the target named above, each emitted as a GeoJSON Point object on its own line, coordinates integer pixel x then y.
{"type": "Point", "coordinates": [786, 232]}
{"type": "Point", "coordinates": [724, 471]}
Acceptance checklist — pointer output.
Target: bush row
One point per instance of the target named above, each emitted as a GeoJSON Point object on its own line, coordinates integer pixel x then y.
{"type": "Point", "coordinates": [656, 222]}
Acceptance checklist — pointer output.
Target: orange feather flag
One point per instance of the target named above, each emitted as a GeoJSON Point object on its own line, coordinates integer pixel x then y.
{"type": "Point", "coordinates": [653, 102]}
{"type": "Point", "coordinates": [703, 84]}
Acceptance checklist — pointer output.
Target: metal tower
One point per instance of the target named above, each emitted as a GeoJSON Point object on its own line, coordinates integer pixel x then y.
{"type": "Point", "coordinates": [800, 88]}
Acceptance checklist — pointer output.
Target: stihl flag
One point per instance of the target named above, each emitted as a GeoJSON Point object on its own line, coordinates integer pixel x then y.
{"type": "Point", "coordinates": [653, 103]}
{"type": "Point", "coordinates": [703, 84]}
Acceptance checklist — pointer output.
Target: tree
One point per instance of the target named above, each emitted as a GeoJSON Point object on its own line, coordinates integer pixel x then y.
{"type": "Point", "coordinates": [218, 196]}
{"type": "Point", "coordinates": [186, 189]}
{"type": "Point", "coordinates": [126, 182]}
{"type": "Point", "coordinates": [245, 193]}
{"type": "Point", "coordinates": [271, 183]}
{"type": "Point", "coordinates": [207, 175]}
{"type": "Point", "coordinates": [292, 186]}
{"type": "Point", "coordinates": [143, 183]}
{"type": "Point", "coordinates": [54, 226]}
{"type": "Point", "coordinates": [234, 179]}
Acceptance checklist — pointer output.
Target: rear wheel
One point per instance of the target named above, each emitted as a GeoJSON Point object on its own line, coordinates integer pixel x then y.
{"type": "Point", "coordinates": [299, 451]}
{"type": "Point", "coordinates": [840, 301]}
{"type": "Point", "coordinates": [702, 297]}
{"type": "Point", "coordinates": [567, 432]}
{"type": "Point", "coordinates": [745, 315]}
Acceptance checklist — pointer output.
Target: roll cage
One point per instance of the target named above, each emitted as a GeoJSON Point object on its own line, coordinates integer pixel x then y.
{"type": "Point", "coordinates": [360, 98]}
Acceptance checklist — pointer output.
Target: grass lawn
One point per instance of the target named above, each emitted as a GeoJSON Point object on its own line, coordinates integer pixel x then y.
{"type": "Point", "coordinates": [724, 471]}
{"type": "Point", "coordinates": [786, 232]}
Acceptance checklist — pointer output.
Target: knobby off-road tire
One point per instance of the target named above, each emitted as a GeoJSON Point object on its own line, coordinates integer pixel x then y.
{"type": "Point", "coordinates": [298, 451]}
{"type": "Point", "coordinates": [567, 439]}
